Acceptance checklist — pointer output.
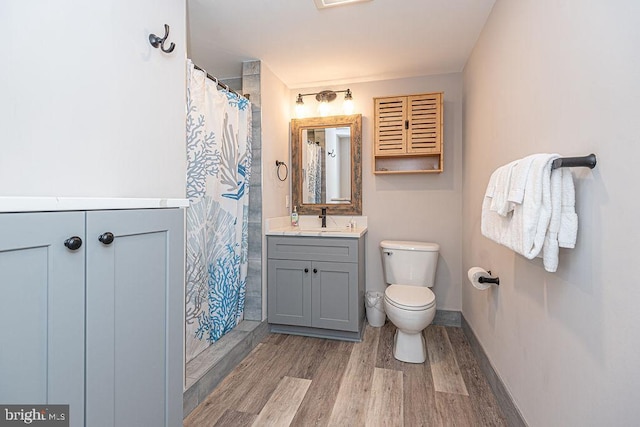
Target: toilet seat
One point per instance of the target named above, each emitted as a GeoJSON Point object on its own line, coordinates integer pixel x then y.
{"type": "Point", "coordinates": [410, 298]}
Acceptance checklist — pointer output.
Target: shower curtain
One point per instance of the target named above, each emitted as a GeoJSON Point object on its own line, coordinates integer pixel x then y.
{"type": "Point", "coordinates": [313, 168]}
{"type": "Point", "coordinates": [218, 170]}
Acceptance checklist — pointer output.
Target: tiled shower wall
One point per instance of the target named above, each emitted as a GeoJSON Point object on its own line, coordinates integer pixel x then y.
{"type": "Point", "coordinates": [253, 301]}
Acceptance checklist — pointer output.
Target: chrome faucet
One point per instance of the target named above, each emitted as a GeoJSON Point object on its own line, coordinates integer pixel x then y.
{"type": "Point", "coordinates": [323, 217]}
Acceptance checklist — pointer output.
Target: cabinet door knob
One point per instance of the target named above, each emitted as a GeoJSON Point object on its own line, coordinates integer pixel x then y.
{"type": "Point", "coordinates": [306, 270]}
{"type": "Point", "coordinates": [73, 243]}
{"type": "Point", "coordinates": [106, 238]}
{"type": "Point", "coordinates": [315, 270]}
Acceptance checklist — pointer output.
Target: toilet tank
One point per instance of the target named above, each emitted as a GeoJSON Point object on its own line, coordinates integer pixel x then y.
{"type": "Point", "coordinates": [409, 263]}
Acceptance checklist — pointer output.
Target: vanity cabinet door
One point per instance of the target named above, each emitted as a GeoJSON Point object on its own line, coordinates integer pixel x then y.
{"type": "Point", "coordinates": [289, 293]}
{"type": "Point", "coordinates": [134, 320]}
{"type": "Point", "coordinates": [42, 310]}
{"type": "Point", "coordinates": [335, 296]}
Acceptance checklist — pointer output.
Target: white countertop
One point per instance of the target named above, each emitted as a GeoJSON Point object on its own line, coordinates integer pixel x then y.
{"type": "Point", "coordinates": [318, 232]}
{"type": "Point", "coordinates": [51, 204]}
{"type": "Point", "coordinates": [310, 225]}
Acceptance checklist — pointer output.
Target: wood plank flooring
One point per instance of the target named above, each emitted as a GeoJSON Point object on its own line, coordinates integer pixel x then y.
{"type": "Point", "coordinates": [289, 380]}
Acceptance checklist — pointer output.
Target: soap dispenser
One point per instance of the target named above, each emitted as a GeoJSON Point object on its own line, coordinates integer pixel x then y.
{"type": "Point", "coordinates": [294, 217]}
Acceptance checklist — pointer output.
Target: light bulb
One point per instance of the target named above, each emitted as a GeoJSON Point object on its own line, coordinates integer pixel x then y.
{"type": "Point", "coordinates": [323, 108]}
{"type": "Point", "coordinates": [347, 106]}
{"type": "Point", "coordinates": [299, 107]}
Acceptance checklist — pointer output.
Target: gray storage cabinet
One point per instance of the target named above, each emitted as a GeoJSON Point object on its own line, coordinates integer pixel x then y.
{"type": "Point", "coordinates": [316, 286]}
{"type": "Point", "coordinates": [98, 327]}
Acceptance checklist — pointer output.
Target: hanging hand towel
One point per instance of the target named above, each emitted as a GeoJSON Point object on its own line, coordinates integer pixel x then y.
{"type": "Point", "coordinates": [518, 181]}
{"type": "Point", "coordinates": [499, 202]}
{"type": "Point", "coordinates": [569, 221]}
{"type": "Point", "coordinates": [550, 248]}
{"type": "Point", "coordinates": [531, 218]}
{"type": "Point", "coordinates": [494, 225]}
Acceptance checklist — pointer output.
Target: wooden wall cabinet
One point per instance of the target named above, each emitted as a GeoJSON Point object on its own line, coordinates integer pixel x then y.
{"type": "Point", "coordinates": [408, 136]}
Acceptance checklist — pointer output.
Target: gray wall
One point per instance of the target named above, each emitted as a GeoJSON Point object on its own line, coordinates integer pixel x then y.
{"type": "Point", "coordinates": [423, 207]}
{"type": "Point", "coordinates": [548, 76]}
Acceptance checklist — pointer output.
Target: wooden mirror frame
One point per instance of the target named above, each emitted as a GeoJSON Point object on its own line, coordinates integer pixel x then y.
{"type": "Point", "coordinates": [354, 122]}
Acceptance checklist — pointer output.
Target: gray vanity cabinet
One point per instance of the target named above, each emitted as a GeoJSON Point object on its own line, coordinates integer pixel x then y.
{"type": "Point", "coordinates": [316, 286]}
{"type": "Point", "coordinates": [97, 327]}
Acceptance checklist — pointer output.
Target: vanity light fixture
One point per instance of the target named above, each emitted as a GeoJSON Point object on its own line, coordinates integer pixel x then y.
{"type": "Point", "coordinates": [324, 98]}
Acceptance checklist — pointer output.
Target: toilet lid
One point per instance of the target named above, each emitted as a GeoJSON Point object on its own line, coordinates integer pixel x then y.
{"type": "Point", "coordinates": [410, 246]}
{"type": "Point", "coordinates": [410, 297]}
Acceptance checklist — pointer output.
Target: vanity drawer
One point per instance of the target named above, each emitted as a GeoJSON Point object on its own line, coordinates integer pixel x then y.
{"type": "Point", "coordinates": [313, 248]}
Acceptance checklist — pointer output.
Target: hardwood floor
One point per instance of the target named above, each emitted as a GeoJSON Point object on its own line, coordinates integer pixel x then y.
{"type": "Point", "coordinates": [300, 381]}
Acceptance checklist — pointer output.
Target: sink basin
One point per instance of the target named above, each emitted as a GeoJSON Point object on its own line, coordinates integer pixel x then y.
{"type": "Point", "coordinates": [311, 231]}
{"type": "Point", "coordinates": [325, 230]}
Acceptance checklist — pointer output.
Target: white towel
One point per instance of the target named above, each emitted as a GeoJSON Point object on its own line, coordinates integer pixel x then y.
{"type": "Point", "coordinates": [550, 248]}
{"type": "Point", "coordinates": [563, 225]}
{"type": "Point", "coordinates": [518, 181]}
{"type": "Point", "coordinates": [500, 192]}
{"type": "Point", "coordinates": [525, 230]}
{"type": "Point", "coordinates": [494, 226]}
{"type": "Point", "coordinates": [569, 221]}
{"type": "Point", "coordinates": [535, 210]}
{"type": "Point", "coordinates": [491, 186]}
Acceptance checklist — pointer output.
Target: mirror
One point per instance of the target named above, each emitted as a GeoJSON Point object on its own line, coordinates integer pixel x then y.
{"type": "Point", "coordinates": [326, 164]}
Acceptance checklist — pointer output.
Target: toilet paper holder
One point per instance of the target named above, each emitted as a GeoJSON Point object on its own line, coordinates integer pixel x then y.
{"type": "Point", "coordinates": [492, 280]}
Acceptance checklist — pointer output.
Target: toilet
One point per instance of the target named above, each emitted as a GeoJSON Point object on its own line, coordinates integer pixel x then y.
{"type": "Point", "coordinates": [409, 271]}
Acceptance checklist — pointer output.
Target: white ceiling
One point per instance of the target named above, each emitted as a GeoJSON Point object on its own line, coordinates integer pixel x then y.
{"type": "Point", "coordinates": [307, 47]}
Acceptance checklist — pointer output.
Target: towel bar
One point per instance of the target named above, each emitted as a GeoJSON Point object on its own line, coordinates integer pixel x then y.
{"type": "Point", "coordinates": [570, 162]}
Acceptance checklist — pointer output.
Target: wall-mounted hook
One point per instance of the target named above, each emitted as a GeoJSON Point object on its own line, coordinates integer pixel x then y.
{"type": "Point", "coordinates": [331, 153]}
{"type": "Point", "coordinates": [159, 42]}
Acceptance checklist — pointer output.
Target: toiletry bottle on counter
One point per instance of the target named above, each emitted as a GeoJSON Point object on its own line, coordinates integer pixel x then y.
{"type": "Point", "coordinates": [294, 217]}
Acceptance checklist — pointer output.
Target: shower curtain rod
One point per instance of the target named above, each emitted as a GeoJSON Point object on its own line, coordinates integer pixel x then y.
{"type": "Point", "coordinates": [218, 82]}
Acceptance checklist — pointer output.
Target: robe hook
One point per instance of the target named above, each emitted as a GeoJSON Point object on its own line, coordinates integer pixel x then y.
{"type": "Point", "coordinates": [159, 41]}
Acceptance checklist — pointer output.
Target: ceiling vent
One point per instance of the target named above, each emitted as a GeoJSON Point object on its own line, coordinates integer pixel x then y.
{"type": "Point", "coordinates": [323, 4]}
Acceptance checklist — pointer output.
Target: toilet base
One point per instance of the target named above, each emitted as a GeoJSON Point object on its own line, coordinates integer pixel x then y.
{"type": "Point", "coordinates": [409, 348]}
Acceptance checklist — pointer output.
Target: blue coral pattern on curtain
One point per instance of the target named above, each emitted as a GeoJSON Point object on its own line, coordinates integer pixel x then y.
{"type": "Point", "coordinates": [218, 172]}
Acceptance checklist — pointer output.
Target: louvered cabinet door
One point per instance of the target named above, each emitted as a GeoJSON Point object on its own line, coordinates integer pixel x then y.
{"type": "Point", "coordinates": [390, 122]}
{"type": "Point", "coordinates": [425, 118]}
